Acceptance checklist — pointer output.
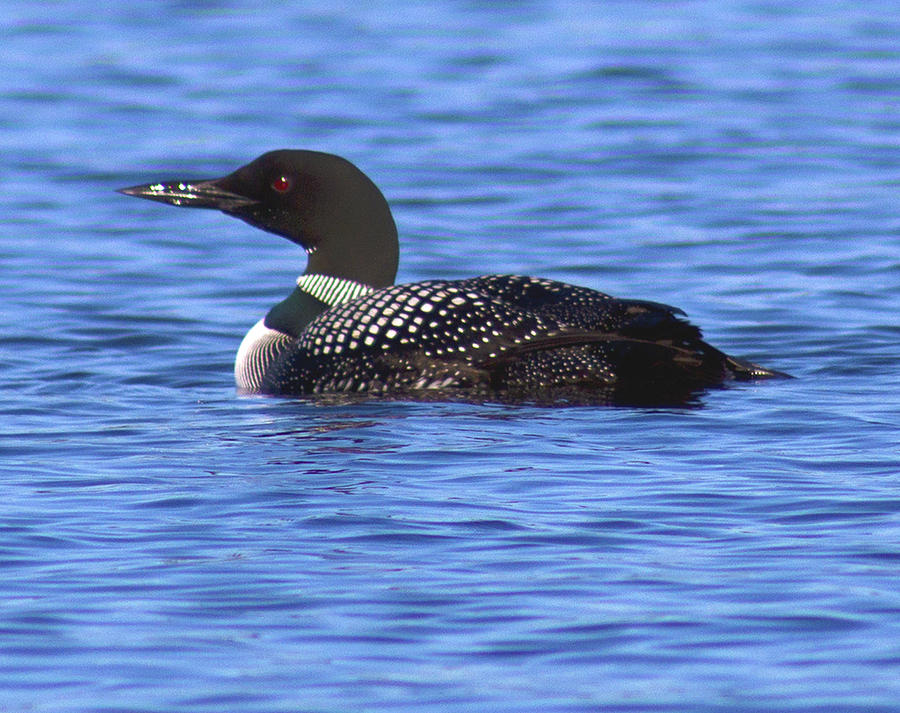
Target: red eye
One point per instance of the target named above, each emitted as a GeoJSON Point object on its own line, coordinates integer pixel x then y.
{"type": "Point", "coordinates": [281, 184]}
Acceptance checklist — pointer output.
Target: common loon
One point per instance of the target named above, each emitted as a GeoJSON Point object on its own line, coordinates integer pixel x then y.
{"type": "Point", "coordinates": [346, 328]}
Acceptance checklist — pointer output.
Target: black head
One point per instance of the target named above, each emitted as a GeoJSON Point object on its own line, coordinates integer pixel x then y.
{"type": "Point", "coordinates": [318, 200]}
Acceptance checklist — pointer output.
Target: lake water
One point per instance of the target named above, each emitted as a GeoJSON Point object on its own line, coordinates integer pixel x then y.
{"type": "Point", "coordinates": [170, 546]}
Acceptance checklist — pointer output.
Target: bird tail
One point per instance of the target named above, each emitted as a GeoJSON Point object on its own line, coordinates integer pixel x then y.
{"type": "Point", "coordinates": [747, 370]}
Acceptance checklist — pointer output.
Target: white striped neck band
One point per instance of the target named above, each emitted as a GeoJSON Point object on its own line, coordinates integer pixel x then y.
{"type": "Point", "coordinates": [332, 290]}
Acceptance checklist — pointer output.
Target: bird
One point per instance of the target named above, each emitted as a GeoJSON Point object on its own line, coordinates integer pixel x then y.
{"type": "Point", "coordinates": [347, 329]}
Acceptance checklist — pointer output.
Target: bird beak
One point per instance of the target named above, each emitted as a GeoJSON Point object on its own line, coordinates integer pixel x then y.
{"type": "Point", "coordinates": [191, 194]}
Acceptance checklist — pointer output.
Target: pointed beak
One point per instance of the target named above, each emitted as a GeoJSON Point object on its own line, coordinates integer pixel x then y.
{"type": "Point", "coordinates": [191, 194]}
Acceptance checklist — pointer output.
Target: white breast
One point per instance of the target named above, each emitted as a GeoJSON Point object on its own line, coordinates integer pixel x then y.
{"type": "Point", "coordinates": [259, 348]}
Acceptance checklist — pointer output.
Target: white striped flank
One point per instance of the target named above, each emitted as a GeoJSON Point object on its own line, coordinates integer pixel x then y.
{"type": "Point", "coordinates": [260, 347]}
{"type": "Point", "coordinates": [332, 290]}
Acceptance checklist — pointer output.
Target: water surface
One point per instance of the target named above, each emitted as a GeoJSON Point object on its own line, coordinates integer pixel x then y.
{"type": "Point", "coordinates": [170, 546]}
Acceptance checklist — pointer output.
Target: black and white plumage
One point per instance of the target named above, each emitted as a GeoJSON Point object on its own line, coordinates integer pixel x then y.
{"type": "Point", "coordinates": [347, 328]}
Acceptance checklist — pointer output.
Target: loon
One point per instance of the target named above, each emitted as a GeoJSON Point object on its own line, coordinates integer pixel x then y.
{"type": "Point", "coordinates": [347, 328]}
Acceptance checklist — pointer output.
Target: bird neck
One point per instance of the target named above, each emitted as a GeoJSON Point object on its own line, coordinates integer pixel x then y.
{"type": "Point", "coordinates": [313, 295]}
{"type": "Point", "coordinates": [352, 238]}
{"type": "Point", "coordinates": [331, 290]}
{"type": "Point", "coordinates": [292, 314]}
{"type": "Point", "coordinates": [367, 259]}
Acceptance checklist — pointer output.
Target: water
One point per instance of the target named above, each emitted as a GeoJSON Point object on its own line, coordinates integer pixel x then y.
{"type": "Point", "coordinates": [169, 546]}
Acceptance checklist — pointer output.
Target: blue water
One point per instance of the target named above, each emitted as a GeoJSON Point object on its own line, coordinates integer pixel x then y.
{"type": "Point", "coordinates": [170, 546]}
